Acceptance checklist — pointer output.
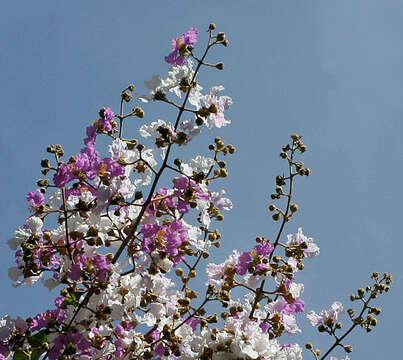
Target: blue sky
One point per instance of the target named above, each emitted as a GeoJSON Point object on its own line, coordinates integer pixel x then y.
{"type": "Point", "coordinates": [329, 70]}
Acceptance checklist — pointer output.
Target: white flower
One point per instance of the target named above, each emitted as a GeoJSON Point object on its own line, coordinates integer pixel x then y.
{"type": "Point", "coordinates": [335, 310]}
{"type": "Point", "coordinates": [172, 84]}
{"type": "Point", "coordinates": [221, 202]}
{"type": "Point", "coordinates": [35, 223]}
{"type": "Point", "coordinates": [222, 104]}
{"type": "Point", "coordinates": [21, 235]}
{"type": "Point", "coordinates": [150, 131]}
{"type": "Point", "coordinates": [118, 149]}
{"type": "Point", "coordinates": [298, 238]}
{"type": "Point", "coordinates": [201, 164]}
{"type": "Point", "coordinates": [215, 273]}
{"type": "Point", "coordinates": [296, 289]}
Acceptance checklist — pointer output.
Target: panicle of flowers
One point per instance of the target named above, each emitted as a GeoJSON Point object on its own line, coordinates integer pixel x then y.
{"type": "Point", "coordinates": [128, 244]}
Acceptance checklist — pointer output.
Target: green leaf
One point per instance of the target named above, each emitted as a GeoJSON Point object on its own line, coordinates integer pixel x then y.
{"type": "Point", "coordinates": [38, 339]}
{"type": "Point", "coordinates": [19, 355]}
{"type": "Point", "coordinates": [74, 298]}
{"type": "Point", "coordinates": [36, 353]}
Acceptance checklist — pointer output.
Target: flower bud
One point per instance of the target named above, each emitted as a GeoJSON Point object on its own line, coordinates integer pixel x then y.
{"type": "Point", "coordinates": [139, 112]}
{"type": "Point", "coordinates": [45, 163]}
{"type": "Point", "coordinates": [126, 96]}
{"type": "Point", "coordinates": [213, 109]}
{"type": "Point", "coordinates": [199, 121]}
{"type": "Point", "coordinates": [212, 27]}
{"type": "Point", "coordinates": [220, 36]}
{"type": "Point", "coordinates": [348, 348]}
{"type": "Point", "coordinates": [220, 66]}
{"type": "Point", "coordinates": [309, 346]}
{"type": "Point", "coordinates": [179, 272]}
{"type": "Point", "coordinates": [43, 182]}
{"type": "Point", "coordinates": [294, 207]}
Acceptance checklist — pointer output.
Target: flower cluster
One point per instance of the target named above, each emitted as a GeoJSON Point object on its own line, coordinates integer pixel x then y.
{"type": "Point", "coordinates": [126, 247]}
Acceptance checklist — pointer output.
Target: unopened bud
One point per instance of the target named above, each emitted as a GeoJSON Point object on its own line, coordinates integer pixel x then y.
{"type": "Point", "coordinates": [212, 27]}
{"type": "Point", "coordinates": [179, 272]}
{"type": "Point", "coordinates": [220, 66]}
{"type": "Point", "coordinates": [199, 121]}
{"type": "Point", "coordinates": [220, 36]}
{"type": "Point", "coordinates": [45, 163]}
{"type": "Point", "coordinates": [126, 96]}
{"type": "Point", "coordinates": [348, 348]}
{"type": "Point", "coordinates": [139, 112]}
{"type": "Point", "coordinates": [294, 207]}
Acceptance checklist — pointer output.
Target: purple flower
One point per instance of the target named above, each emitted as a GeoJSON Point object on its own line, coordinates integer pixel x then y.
{"type": "Point", "coordinates": [176, 57]}
{"type": "Point", "coordinates": [193, 322]}
{"type": "Point", "coordinates": [91, 136]}
{"type": "Point", "coordinates": [264, 249]}
{"type": "Point", "coordinates": [264, 326]}
{"type": "Point", "coordinates": [149, 230]}
{"type": "Point", "coordinates": [243, 265]}
{"type": "Point", "coordinates": [63, 175]}
{"type": "Point", "coordinates": [36, 198]}
{"type": "Point", "coordinates": [75, 272]}
{"type": "Point", "coordinates": [107, 118]}
{"type": "Point", "coordinates": [114, 168]}
{"type": "Point", "coordinates": [261, 268]}
{"type": "Point", "coordinates": [103, 265]}
{"type": "Point", "coordinates": [181, 183]}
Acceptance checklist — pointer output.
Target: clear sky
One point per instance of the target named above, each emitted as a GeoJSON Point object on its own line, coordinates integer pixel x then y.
{"type": "Point", "coordinates": [330, 70]}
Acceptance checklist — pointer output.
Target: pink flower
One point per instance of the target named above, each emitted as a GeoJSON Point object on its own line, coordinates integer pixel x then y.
{"type": "Point", "coordinates": [63, 175]}
{"type": "Point", "coordinates": [107, 117]}
{"type": "Point", "coordinates": [243, 265]}
{"type": "Point", "coordinates": [176, 57]}
{"type": "Point", "coordinates": [35, 198]}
